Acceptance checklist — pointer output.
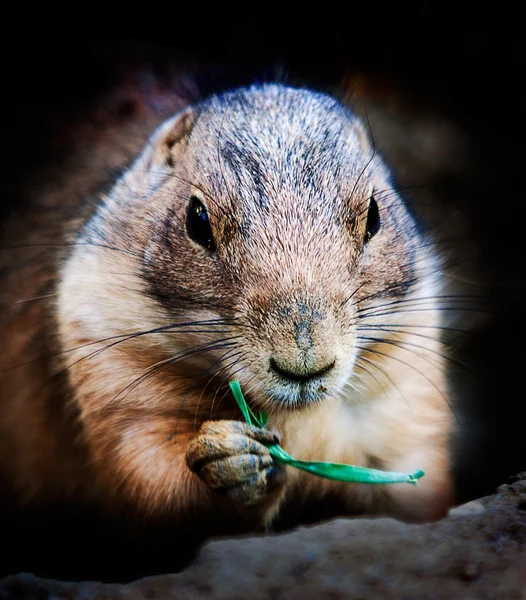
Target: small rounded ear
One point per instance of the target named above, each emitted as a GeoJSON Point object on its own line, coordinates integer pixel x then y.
{"type": "Point", "coordinates": [168, 143]}
{"type": "Point", "coordinates": [153, 167]}
{"type": "Point", "coordinates": [363, 135]}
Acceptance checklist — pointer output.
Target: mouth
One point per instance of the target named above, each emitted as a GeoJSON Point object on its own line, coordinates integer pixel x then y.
{"type": "Point", "coordinates": [299, 395]}
{"type": "Point", "coordinates": [296, 393]}
{"type": "Point", "coordinates": [302, 378]}
{"type": "Point", "coordinates": [295, 390]}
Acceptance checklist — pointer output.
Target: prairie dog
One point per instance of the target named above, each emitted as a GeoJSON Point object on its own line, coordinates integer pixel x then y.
{"type": "Point", "coordinates": [257, 236]}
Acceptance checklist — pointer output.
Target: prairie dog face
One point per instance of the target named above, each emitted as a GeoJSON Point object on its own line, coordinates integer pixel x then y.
{"type": "Point", "coordinates": [269, 208]}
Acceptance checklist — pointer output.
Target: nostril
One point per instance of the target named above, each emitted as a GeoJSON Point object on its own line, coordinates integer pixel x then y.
{"type": "Point", "coordinates": [298, 376]}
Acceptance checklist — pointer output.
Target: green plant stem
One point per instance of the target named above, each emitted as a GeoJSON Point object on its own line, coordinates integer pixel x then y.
{"type": "Point", "coordinates": [336, 471]}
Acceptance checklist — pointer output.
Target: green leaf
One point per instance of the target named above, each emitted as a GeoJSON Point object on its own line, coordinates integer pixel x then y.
{"type": "Point", "coordinates": [250, 417]}
{"type": "Point", "coordinates": [328, 470]}
{"type": "Point", "coordinates": [263, 418]}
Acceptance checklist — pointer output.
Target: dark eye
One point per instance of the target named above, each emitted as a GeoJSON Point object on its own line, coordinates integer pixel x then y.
{"type": "Point", "coordinates": [198, 225]}
{"type": "Point", "coordinates": [373, 220]}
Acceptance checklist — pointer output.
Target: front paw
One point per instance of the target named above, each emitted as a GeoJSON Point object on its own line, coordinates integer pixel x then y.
{"type": "Point", "coordinates": [232, 459]}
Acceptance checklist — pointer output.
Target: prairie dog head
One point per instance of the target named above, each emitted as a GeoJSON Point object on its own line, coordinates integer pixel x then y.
{"type": "Point", "coordinates": [266, 210]}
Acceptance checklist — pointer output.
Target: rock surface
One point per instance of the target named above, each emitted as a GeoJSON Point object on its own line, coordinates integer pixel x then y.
{"type": "Point", "coordinates": [477, 552]}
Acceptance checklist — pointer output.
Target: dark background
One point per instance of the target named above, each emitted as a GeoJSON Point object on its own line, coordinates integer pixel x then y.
{"type": "Point", "coordinates": [466, 61]}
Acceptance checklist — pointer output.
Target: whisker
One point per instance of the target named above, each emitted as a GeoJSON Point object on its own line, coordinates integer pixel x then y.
{"type": "Point", "coordinates": [248, 389]}
{"type": "Point", "coordinates": [370, 159]}
{"type": "Point", "coordinates": [431, 308]}
{"type": "Point", "coordinates": [127, 336]}
{"type": "Point", "coordinates": [384, 373]}
{"type": "Point", "coordinates": [233, 361]}
{"type": "Point", "coordinates": [32, 299]}
{"type": "Point", "coordinates": [216, 345]}
{"type": "Point", "coordinates": [99, 351]}
{"type": "Point", "coordinates": [390, 330]}
{"type": "Point", "coordinates": [159, 367]}
{"type": "Point", "coordinates": [406, 326]}
{"type": "Point", "coordinates": [353, 294]}
{"type": "Point", "coordinates": [218, 370]}
{"type": "Point", "coordinates": [459, 297]}
{"type": "Point", "coordinates": [400, 344]}
{"type": "Point", "coordinates": [406, 343]}
{"type": "Point", "coordinates": [239, 357]}
{"type": "Point", "coordinates": [383, 291]}
{"type": "Point", "coordinates": [227, 392]}
{"type": "Point", "coordinates": [197, 186]}
{"type": "Point", "coordinates": [195, 386]}
{"type": "Point", "coordinates": [379, 353]}
{"type": "Point", "coordinates": [71, 244]}
{"type": "Point", "coordinates": [360, 366]}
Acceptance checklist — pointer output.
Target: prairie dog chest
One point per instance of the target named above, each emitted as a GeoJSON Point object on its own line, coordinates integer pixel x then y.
{"type": "Point", "coordinates": [335, 432]}
{"type": "Point", "coordinates": [380, 432]}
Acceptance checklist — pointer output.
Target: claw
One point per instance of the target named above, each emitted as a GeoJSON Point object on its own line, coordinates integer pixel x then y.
{"type": "Point", "coordinates": [231, 457]}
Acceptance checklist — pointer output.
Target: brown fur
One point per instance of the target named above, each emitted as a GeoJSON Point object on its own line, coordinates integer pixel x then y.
{"type": "Point", "coordinates": [286, 176]}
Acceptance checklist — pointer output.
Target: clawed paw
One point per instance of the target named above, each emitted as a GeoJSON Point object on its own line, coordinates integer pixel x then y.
{"type": "Point", "coordinates": [231, 457]}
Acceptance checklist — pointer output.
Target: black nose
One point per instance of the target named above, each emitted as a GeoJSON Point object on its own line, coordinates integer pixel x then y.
{"type": "Point", "coordinates": [302, 377]}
